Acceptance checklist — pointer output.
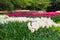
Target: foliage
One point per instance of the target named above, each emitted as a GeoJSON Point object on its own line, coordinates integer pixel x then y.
{"type": "Point", "coordinates": [37, 5]}
{"type": "Point", "coordinates": [56, 18]}
{"type": "Point", "coordinates": [17, 3]}
{"type": "Point", "coordinates": [22, 4]}
{"type": "Point", "coordinates": [25, 4]}
{"type": "Point", "coordinates": [6, 5]}
{"type": "Point", "coordinates": [43, 5]}
{"type": "Point", "coordinates": [20, 31]}
{"type": "Point", "coordinates": [55, 5]}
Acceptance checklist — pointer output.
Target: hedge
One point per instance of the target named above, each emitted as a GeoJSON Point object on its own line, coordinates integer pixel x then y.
{"type": "Point", "coordinates": [24, 4]}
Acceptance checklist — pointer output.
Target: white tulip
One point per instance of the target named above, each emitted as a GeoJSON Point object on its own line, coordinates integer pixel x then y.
{"type": "Point", "coordinates": [30, 27]}
{"type": "Point", "coordinates": [34, 26]}
{"type": "Point", "coordinates": [35, 23]}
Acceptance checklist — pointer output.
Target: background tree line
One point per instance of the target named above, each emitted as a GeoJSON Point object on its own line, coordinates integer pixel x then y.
{"type": "Point", "coordinates": [43, 5]}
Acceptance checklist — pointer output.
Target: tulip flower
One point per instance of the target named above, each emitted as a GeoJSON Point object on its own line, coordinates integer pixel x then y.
{"type": "Point", "coordinates": [33, 23]}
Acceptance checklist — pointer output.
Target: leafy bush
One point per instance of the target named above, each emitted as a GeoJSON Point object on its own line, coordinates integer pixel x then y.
{"type": "Point", "coordinates": [20, 31]}
{"type": "Point", "coordinates": [42, 4]}
{"type": "Point", "coordinates": [17, 3]}
{"type": "Point", "coordinates": [25, 4]}
{"type": "Point", "coordinates": [55, 5]}
{"type": "Point", "coordinates": [6, 5]}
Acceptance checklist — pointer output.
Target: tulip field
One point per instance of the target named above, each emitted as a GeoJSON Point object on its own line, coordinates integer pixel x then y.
{"type": "Point", "coordinates": [30, 26]}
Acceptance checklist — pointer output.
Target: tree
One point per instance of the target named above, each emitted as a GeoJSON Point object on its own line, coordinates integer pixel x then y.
{"type": "Point", "coordinates": [25, 4]}
{"type": "Point", "coordinates": [55, 5]}
{"type": "Point", "coordinates": [17, 3]}
{"type": "Point", "coordinates": [6, 5]}
{"type": "Point", "coordinates": [42, 4]}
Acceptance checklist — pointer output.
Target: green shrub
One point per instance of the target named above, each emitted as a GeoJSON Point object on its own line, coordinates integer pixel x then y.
{"type": "Point", "coordinates": [6, 5]}
{"type": "Point", "coordinates": [20, 31]}
{"type": "Point", "coordinates": [25, 4]}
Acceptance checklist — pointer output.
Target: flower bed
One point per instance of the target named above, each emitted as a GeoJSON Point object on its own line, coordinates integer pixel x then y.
{"type": "Point", "coordinates": [27, 28]}
{"type": "Point", "coordinates": [48, 14]}
{"type": "Point", "coordinates": [33, 23]}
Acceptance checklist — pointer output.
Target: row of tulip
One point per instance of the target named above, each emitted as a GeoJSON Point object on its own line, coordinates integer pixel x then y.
{"type": "Point", "coordinates": [48, 14]}
{"type": "Point", "coordinates": [41, 22]}
{"type": "Point", "coordinates": [33, 23]}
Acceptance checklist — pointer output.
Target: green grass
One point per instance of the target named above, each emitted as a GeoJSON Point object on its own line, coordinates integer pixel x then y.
{"type": "Point", "coordinates": [20, 31]}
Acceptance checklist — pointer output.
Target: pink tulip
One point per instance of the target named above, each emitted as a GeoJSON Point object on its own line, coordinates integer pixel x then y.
{"type": "Point", "coordinates": [48, 14]}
